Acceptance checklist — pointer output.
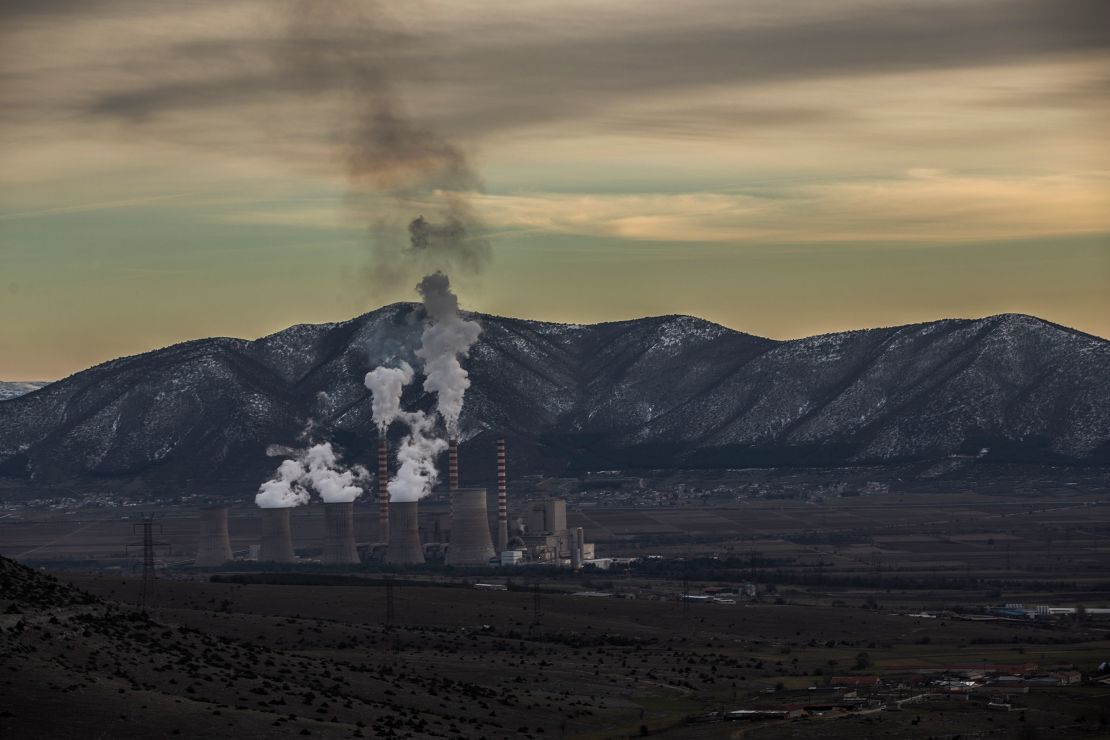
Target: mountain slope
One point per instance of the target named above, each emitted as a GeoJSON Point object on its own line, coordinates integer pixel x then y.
{"type": "Point", "coordinates": [12, 389]}
{"type": "Point", "coordinates": [657, 392]}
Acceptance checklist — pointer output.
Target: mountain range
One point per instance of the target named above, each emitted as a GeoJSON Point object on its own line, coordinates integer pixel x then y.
{"type": "Point", "coordinates": [659, 392]}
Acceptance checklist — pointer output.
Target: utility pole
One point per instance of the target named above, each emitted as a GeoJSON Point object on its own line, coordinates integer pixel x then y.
{"type": "Point", "coordinates": [536, 612]}
{"type": "Point", "coordinates": [685, 596]}
{"type": "Point", "coordinates": [390, 615]}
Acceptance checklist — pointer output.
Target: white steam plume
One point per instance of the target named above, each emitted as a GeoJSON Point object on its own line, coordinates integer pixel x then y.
{"type": "Point", "coordinates": [416, 455]}
{"type": "Point", "coordinates": [447, 337]}
{"type": "Point", "coordinates": [315, 469]}
{"type": "Point", "coordinates": [325, 475]}
{"type": "Point", "coordinates": [386, 385]}
{"type": "Point", "coordinates": [285, 490]}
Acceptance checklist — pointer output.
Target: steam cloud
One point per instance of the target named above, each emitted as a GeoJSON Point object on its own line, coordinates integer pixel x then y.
{"type": "Point", "coordinates": [386, 385]}
{"type": "Point", "coordinates": [447, 337]}
{"type": "Point", "coordinates": [285, 490]}
{"type": "Point", "coordinates": [315, 469]}
{"type": "Point", "coordinates": [417, 454]}
{"type": "Point", "coordinates": [325, 475]}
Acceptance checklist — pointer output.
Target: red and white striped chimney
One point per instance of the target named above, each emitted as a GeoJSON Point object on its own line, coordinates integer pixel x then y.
{"type": "Point", "coordinates": [453, 463]}
{"type": "Point", "coordinates": [383, 490]}
{"type": "Point", "coordinates": [502, 498]}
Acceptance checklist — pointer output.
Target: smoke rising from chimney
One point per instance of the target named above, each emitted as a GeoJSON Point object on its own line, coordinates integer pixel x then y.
{"type": "Point", "coordinates": [394, 165]}
{"type": "Point", "coordinates": [417, 455]}
{"type": "Point", "coordinates": [447, 337]}
{"type": "Point", "coordinates": [397, 168]}
{"type": "Point", "coordinates": [386, 385]}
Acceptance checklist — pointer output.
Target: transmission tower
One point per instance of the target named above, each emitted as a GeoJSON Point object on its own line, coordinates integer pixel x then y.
{"type": "Point", "coordinates": [146, 586]}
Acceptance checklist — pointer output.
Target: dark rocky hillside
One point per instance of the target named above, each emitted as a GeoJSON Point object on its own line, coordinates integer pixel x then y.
{"type": "Point", "coordinates": [671, 391]}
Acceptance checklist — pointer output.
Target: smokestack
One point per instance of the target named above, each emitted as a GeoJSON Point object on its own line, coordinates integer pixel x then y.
{"type": "Point", "coordinates": [383, 490]}
{"type": "Point", "coordinates": [502, 498]}
{"type": "Point", "coordinates": [339, 533]}
{"type": "Point", "coordinates": [404, 535]}
{"type": "Point", "coordinates": [277, 537]}
{"type": "Point", "coordinates": [214, 547]}
{"type": "Point", "coordinates": [470, 540]}
{"type": "Point", "coordinates": [453, 463]}
{"type": "Point", "coordinates": [578, 538]}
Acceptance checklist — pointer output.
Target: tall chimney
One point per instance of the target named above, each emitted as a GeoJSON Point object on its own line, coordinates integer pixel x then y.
{"type": "Point", "coordinates": [577, 542]}
{"type": "Point", "coordinates": [404, 536]}
{"type": "Point", "coordinates": [277, 537]}
{"type": "Point", "coordinates": [502, 499]}
{"type": "Point", "coordinates": [453, 463]}
{"type": "Point", "coordinates": [339, 533]}
{"type": "Point", "coordinates": [470, 540]}
{"type": "Point", "coordinates": [214, 547]}
{"type": "Point", "coordinates": [383, 489]}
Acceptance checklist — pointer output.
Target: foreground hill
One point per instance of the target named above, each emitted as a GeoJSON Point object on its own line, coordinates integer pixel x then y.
{"type": "Point", "coordinates": [671, 391]}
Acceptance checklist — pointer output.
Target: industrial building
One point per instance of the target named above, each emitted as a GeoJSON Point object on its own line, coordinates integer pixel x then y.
{"type": "Point", "coordinates": [547, 539]}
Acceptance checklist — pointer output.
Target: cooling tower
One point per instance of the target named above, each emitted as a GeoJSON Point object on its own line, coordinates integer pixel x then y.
{"type": "Point", "coordinates": [470, 540]}
{"type": "Point", "coordinates": [404, 535]}
{"type": "Point", "coordinates": [339, 533]}
{"type": "Point", "coordinates": [214, 547]}
{"type": "Point", "coordinates": [453, 463]}
{"type": "Point", "coordinates": [383, 490]}
{"type": "Point", "coordinates": [502, 499]}
{"type": "Point", "coordinates": [277, 537]}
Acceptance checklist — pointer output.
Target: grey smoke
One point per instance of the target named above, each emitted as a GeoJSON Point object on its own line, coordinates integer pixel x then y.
{"type": "Point", "coordinates": [386, 385]}
{"type": "Point", "coordinates": [395, 165]}
{"type": "Point", "coordinates": [446, 338]}
{"type": "Point", "coordinates": [417, 456]}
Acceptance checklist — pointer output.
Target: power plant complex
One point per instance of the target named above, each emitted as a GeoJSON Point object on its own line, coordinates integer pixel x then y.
{"type": "Point", "coordinates": [539, 534]}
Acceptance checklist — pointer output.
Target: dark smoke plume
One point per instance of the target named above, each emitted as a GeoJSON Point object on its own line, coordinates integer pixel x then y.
{"type": "Point", "coordinates": [396, 167]}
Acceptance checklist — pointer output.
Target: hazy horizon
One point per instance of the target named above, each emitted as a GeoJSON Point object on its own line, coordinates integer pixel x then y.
{"type": "Point", "coordinates": [203, 168]}
{"type": "Point", "coordinates": [535, 318]}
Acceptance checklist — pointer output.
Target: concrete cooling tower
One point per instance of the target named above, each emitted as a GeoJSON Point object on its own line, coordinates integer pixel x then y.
{"type": "Point", "coordinates": [404, 535]}
{"type": "Point", "coordinates": [214, 547]}
{"type": "Point", "coordinates": [339, 533]}
{"type": "Point", "coordinates": [277, 537]}
{"type": "Point", "coordinates": [470, 540]}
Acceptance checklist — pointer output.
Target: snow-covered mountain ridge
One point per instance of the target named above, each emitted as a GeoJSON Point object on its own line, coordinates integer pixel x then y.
{"type": "Point", "coordinates": [669, 391]}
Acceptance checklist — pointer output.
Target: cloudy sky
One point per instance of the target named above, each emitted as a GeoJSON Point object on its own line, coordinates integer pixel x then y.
{"type": "Point", "coordinates": [196, 168]}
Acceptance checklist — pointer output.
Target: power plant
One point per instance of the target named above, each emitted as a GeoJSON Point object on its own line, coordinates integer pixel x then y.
{"type": "Point", "coordinates": [470, 540]}
{"type": "Point", "coordinates": [339, 533]}
{"type": "Point", "coordinates": [404, 535]}
{"type": "Point", "coordinates": [540, 536]}
{"type": "Point", "coordinates": [277, 536]}
{"type": "Point", "coordinates": [214, 547]}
